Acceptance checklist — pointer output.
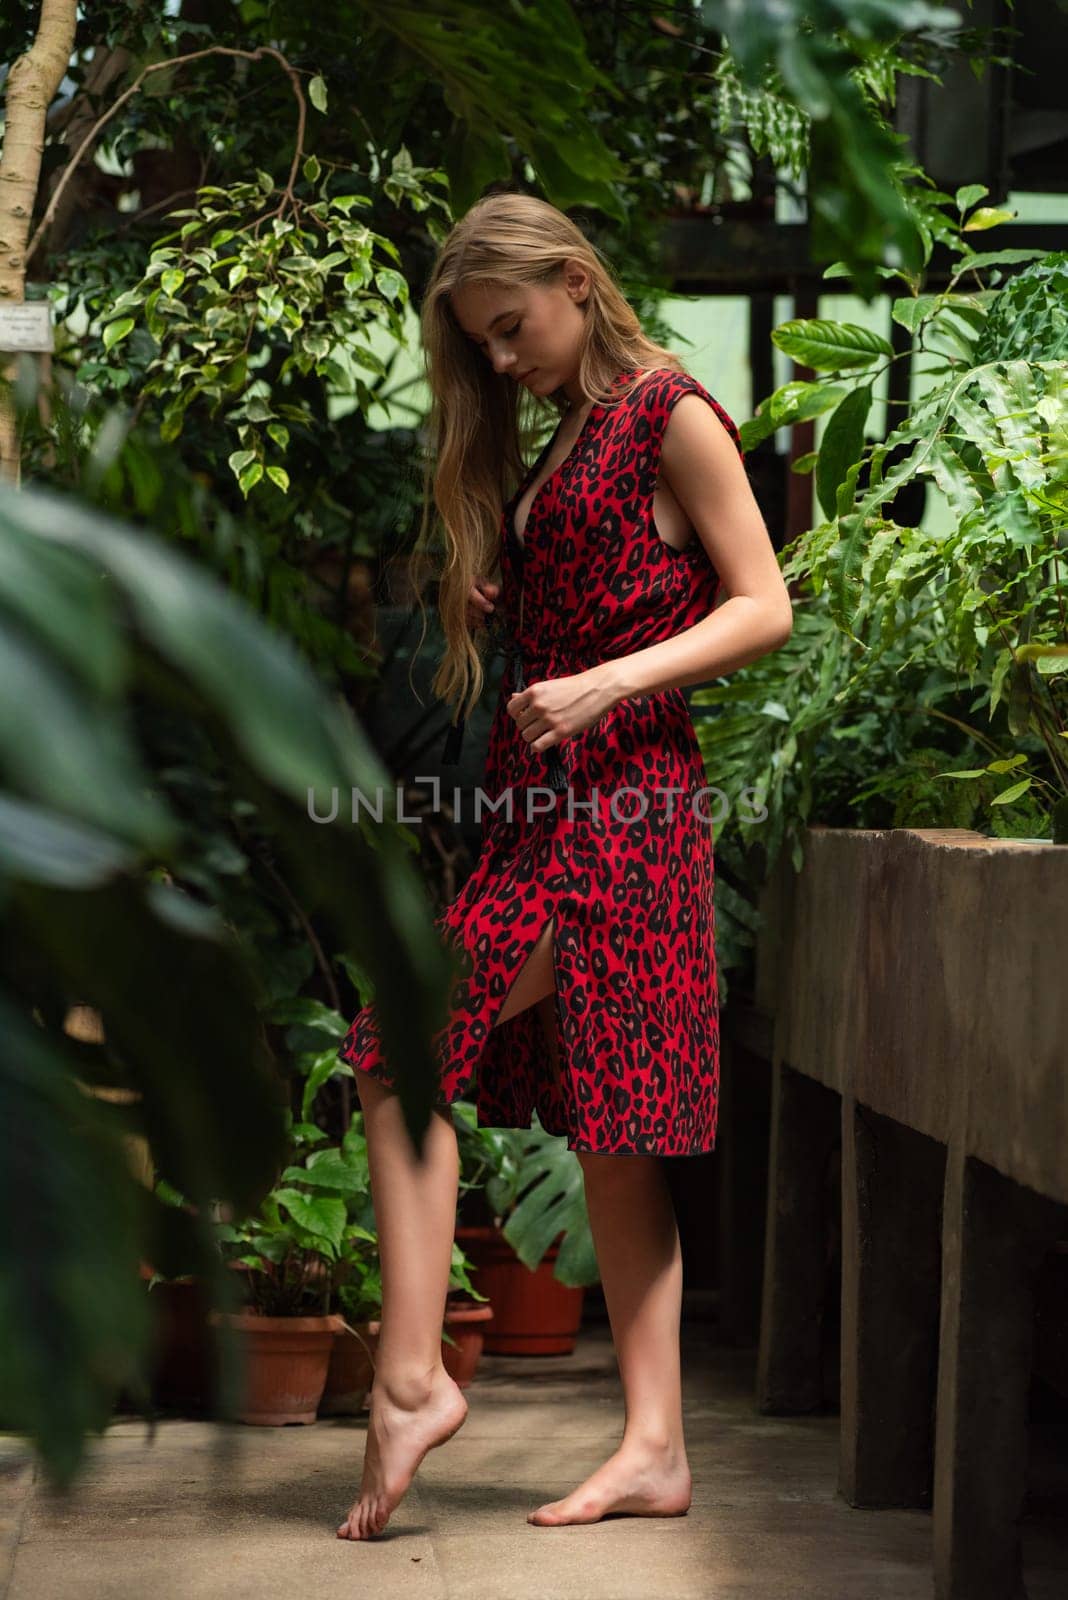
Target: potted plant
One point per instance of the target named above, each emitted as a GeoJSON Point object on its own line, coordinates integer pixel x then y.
{"type": "Point", "coordinates": [292, 1249]}
{"type": "Point", "coordinates": [528, 1236]}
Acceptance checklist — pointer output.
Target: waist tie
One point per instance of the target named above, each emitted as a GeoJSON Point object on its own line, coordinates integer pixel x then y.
{"type": "Point", "coordinates": [450, 756]}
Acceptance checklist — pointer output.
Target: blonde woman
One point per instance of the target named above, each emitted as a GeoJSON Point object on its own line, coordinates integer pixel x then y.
{"type": "Point", "coordinates": [628, 562]}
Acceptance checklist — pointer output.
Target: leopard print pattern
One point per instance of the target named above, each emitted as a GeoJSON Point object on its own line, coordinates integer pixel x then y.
{"type": "Point", "coordinates": [636, 1001]}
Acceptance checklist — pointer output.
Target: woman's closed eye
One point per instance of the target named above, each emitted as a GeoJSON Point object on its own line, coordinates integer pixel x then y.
{"type": "Point", "coordinates": [506, 333]}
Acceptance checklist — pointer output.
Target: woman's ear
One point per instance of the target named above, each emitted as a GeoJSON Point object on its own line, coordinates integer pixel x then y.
{"type": "Point", "coordinates": [576, 280]}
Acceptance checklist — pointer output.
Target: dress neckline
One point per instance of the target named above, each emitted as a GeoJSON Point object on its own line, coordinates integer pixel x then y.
{"type": "Point", "coordinates": [513, 504]}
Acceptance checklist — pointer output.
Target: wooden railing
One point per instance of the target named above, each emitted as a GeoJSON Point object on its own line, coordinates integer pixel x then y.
{"type": "Point", "coordinates": [912, 1004]}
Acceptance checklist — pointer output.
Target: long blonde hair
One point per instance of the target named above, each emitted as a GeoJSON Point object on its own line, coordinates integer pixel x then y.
{"type": "Point", "coordinates": [478, 416]}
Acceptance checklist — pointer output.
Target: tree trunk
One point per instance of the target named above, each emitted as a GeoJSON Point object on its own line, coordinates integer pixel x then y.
{"type": "Point", "coordinates": [31, 87]}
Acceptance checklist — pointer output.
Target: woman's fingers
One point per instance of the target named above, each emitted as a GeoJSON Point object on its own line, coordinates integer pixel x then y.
{"type": "Point", "coordinates": [480, 601]}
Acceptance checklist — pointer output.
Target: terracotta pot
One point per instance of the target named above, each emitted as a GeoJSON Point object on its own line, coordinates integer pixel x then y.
{"type": "Point", "coordinates": [466, 1322]}
{"type": "Point", "coordinates": [533, 1313]}
{"type": "Point", "coordinates": [286, 1361]}
{"type": "Point", "coordinates": [183, 1375]}
{"type": "Point", "coordinates": [348, 1377]}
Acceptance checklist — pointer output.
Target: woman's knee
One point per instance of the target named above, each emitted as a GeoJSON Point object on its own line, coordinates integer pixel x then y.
{"type": "Point", "coordinates": [624, 1170]}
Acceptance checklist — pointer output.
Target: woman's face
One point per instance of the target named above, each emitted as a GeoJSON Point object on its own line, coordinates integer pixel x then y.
{"type": "Point", "coordinates": [529, 332]}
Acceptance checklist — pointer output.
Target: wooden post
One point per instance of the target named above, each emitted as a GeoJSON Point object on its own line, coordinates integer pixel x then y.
{"type": "Point", "coordinates": [892, 1180]}
{"type": "Point", "coordinates": [995, 1235]}
{"type": "Point", "coordinates": [804, 1130]}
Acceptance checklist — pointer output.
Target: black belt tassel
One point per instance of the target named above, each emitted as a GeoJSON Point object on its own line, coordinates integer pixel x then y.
{"type": "Point", "coordinates": [454, 739]}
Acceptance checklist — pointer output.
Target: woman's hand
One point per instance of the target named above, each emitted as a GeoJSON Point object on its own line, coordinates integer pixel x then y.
{"type": "Point", "coordinates": [556, 709]}
{"type": "Point", "coordinates": [480, 598]}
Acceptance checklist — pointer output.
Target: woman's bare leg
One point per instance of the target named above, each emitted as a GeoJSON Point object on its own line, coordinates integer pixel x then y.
{"type": "Point", "coordinates": [640, 1260]}
{"type": "Point", "coordinates": [414, 1403]}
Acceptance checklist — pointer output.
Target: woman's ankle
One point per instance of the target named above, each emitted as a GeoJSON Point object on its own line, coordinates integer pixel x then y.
{"type": "Point", "coordinates": [407, 1385]}
{"type": "Point", "coordinates": [654, 1441]}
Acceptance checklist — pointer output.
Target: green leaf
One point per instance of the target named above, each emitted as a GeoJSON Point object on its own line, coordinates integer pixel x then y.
{"type": "Point", "coordinates": [842, 446]}
{"type": "Point", "coordinates": [841, 269]}
{"type": "Point", "coordinates": [830, 346]}
{"type": "Point", "coordinates": [258, 409]}
{"type": "Point", "coordinates": [116, 331]}
{"type": "Point", "coordinates": [326, 1169]}
{"type": "Point", "coordinates": [279, 476]}
{"type": "Point", "coordinates": [250, 477]}
{"type": "Point", "coordinates": [1007, 796]}
{"type": "Point", "coordinates": [796, 401]}
{"type": "Point", "coordinates": [1038, 652]}
{"type": "Point", "coordinates": [312, 169]}
{"type": "Point", "coordinates": [345, 202]}
{"type": "Point", "coordinates": [987, 217]}
{"type": "Point", "coordinates": [967, 196]}
{"type": "Point", "coordinates": [239, 460]}
{"type": "Point", "coordinates": [391, 284]}
{"type": "Point", "coordinates": [322, 1217]}
{"type": "Point", "coordinates": [317, 93]}
{"type": "Point", "coordinates": [40, 846]}
{"type": "Point", "coordinates": [996, 258]}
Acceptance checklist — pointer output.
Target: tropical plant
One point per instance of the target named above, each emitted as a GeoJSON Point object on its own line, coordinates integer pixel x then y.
{"type": "Point", "coordinates": [533, 1187]}
{"type": "Point", "coordinates": [991, 438]}
{"type": "Point", "coordinates": [915, 651]}
{"type": "Point", "coordinates": [302, 1235]}
{"type": "Point", "coordinates": [107, 639]}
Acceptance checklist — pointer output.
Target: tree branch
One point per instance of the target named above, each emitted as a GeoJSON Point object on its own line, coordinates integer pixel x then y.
{"type": "Point", "coordinates": [165, 66]}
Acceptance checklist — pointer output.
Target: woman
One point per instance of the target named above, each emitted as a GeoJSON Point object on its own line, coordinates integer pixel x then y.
{"type": "Point", "coordinates": [589, 990]}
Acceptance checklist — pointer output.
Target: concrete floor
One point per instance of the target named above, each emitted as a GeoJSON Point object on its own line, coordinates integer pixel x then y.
{"type": "Point", "coordinates": [174, 1520]}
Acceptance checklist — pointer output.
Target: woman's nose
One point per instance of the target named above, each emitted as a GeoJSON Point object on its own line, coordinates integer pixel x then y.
{"type": "Point", "coordinates": [503, 360]}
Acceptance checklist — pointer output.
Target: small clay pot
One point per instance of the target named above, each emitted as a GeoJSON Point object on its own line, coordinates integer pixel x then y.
{"type": "Point", "coordinates": [534, 1314]}
{"type": "Point", "coordinates": [286, 1361]}
{"type": "Point", "coordinates": [351, 1369]}
{"type": "Point", "coordinates": [465, 1321]}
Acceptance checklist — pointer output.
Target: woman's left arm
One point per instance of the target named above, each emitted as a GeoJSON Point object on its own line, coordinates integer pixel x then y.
{"type": "Point", "coordinates": [704, 471]}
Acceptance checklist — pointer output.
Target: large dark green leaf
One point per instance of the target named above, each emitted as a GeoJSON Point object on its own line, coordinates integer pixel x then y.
{"type": "Point", "coordinates": [841, 446]}
{"type": "Point", "coordinates": [48, 848]}
{"type": "Point", "coordinates": [73, 1318]}
{"type": "Point", "coordinates": [282, 740]}
{"type": "Point", "coordinates": [830, 346]}
{"type": "Point", "coordinates": [518, 72]}
{"type": "Point", "coordinates": [553, 1201]}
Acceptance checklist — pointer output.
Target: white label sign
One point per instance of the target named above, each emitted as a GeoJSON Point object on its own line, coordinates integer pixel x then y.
{"type": "Point", "coordinates": [27, 326]}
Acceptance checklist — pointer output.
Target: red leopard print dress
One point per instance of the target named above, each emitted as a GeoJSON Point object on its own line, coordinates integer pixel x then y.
{"type": "Point", "coordinates": [626, 867]}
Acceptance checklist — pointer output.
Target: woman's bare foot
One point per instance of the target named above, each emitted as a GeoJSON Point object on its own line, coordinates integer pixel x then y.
{"type": "Point", "coordinates": [404, 1425]}
{"type": "Point", "coordinates": [641, 1480]}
